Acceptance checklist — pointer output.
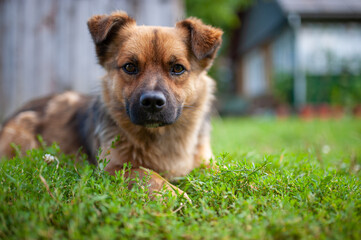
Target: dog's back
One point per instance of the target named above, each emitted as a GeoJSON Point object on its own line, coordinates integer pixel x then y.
{"type": "Point", "coordinates": [57, 118]}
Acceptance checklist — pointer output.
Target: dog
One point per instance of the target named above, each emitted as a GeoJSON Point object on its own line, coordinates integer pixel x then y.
{"type": "Point", "coordinates": [154, 108]}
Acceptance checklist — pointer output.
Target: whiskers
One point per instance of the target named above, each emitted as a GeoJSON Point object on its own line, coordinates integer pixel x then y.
{"type": "Point", "coordinates": [190, 107]}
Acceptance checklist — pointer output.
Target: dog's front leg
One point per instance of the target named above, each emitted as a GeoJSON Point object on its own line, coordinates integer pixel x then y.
{"type": "Point", "coordinates": [156, 183]}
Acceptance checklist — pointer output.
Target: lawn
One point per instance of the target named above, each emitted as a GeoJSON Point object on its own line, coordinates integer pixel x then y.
{"type": "Point", "coordinates": [276, 179]}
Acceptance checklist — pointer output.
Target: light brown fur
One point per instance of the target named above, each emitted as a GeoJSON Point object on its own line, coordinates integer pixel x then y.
{"type": "Point", "coordinates": [172, 150]}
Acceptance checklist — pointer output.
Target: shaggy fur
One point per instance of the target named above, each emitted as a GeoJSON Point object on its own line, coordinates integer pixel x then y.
{"type": "Point", "coordinates": [171, 140]}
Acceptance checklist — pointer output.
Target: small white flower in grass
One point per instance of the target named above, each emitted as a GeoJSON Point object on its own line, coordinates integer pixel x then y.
{"type": "Point", "coordinates": [48, 158]}
{"type": "Point", "coordinates": [326, 149]}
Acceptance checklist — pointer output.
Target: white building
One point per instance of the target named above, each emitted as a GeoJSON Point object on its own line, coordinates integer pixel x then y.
{"type": "Point", "coordinates": [286, 45]}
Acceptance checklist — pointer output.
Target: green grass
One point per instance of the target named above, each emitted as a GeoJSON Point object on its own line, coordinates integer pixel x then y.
{"type": "Point", "coordinates": [276, 179]}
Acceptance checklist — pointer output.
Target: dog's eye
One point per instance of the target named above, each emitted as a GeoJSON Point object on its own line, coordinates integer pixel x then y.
{"type": "Point", "coordinates": [130, 68]}
{"type": "Point", "coordinates": [177, 69]}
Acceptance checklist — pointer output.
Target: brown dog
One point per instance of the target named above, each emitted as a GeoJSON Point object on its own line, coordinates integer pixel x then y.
{"type": "Point", "coordinates": [154, 108]}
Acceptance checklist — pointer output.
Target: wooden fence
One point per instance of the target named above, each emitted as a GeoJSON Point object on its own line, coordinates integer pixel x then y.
{"type": "Point", "coordinates": [45, 46]}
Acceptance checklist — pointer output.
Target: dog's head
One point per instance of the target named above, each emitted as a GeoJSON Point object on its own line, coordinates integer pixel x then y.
{"type": "Point", "coordinates": [152, 72]}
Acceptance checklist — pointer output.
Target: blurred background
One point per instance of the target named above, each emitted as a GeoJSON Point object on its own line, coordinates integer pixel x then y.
{"type": "Point", "coordinates": [279, 57]}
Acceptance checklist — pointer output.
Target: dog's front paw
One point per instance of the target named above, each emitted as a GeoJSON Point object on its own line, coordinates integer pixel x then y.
{"type": "Point", "coordinates": [158, 184]}
{"type": "Point", "coordinates": [176, 191]}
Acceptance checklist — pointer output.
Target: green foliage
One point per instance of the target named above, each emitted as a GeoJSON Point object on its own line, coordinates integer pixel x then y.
{"type": "Point", "coordinates": [219, 13]}
{"type": "Point", "coordinates": [344, 89]}
{"type": "Point", "coordinates": [282, 87]}
{"type": "Point", "coordinates": [222, 14]}
{"type": "Point", "coordinates": [279, 180]}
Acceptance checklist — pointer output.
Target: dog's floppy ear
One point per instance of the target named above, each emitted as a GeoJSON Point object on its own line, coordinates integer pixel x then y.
{"type": "Point", "coordinates": [204, 40]}
{"type": "Point", "coordinates": [103, 28]}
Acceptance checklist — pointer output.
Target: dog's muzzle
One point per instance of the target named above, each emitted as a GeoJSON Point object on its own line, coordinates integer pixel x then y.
{"type": "Point", "coordinates": [152, 109]}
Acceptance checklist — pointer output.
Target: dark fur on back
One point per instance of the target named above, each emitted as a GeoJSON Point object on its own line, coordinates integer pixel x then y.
{"type": "Point", "coordinates": [88, 122]}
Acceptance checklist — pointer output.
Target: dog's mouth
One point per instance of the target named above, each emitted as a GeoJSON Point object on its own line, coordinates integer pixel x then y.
{"type": "Point", "coordinates": [153, 125]}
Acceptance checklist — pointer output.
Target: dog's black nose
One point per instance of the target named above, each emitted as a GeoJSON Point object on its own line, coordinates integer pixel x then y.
{"type": "Point", "coordinates": [152, 101]}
